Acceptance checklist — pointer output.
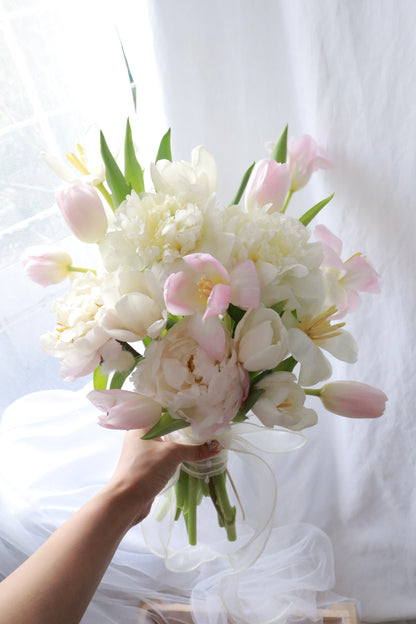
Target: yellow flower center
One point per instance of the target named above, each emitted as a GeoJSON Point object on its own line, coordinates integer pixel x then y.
{"type": "Point", "coordinates": [78, 161]}
{"type": "Point", "coordinates": [319, 328]}
{"type": "Point", "coordinates": [205, 287]}
{"type": "Point", "coordinates": [286, 404]}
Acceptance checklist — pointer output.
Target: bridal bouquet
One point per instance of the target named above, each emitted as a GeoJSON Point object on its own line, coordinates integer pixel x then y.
{"type": "Point", "coordinates": [215, 314]}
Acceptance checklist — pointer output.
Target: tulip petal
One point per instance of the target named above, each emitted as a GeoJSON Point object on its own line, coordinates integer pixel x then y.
{"type": "Point", "coordinates": [245, 285]}
{"type": "Point", "coordinates": [181, 294]}
{"type": "Point", "coordinates": [207, 265]}
{"type": "Point", "coordinates": [218, 301]}
{"type": "Point", "coordinates": [125, 410]}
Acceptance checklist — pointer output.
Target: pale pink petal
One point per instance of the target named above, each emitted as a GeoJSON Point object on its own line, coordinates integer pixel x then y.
{"type": "Point", "coordinates": [218, 301]}
{"type": "Point", "coordinates": [361, 275]}
{"type": "Point", "coordinates": [245, 285]}
{"type": "Point", "coordinates": [209, 334]}
{"type": "Point", "coordinates": [353, 399]}
{"type": "Point", "coordinates": [181, 294]}
{"type": "Point", "coordinates": [269, 183]}
{"type": "Point", "coordinates": [207, 265]}
{"type": "Point", "coordinates": [326, 237]}
{"type": "Point", "coordinates": [314, 365]}
{"type": "Point", "coordinates": [125, 410]}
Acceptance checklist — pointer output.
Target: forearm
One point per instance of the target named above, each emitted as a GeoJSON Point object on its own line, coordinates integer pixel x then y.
{"type": "Point", "coordinates": [57, 583]}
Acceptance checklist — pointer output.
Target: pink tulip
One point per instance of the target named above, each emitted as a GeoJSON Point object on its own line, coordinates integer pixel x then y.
{"type": "Point", "coordinates": [124, 409]}
{"type": "Point", "coordinates": [353, 399]}
{"type": "Point", "coordinates": [346, 278]}
{"type": "Point", "coordinates": [269, 183]}
{"type": "Point", "coordinates": [304, 157]}
{"type": "Point", "coordinates": [83, 211]}
{"type": "Point", "coordinates": [205, 291]}
{"type": "Point", "coordinates": [46, 265]}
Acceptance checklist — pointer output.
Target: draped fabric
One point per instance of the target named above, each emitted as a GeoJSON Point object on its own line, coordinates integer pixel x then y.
{"type": "Point", "coordinates": [232, 74]}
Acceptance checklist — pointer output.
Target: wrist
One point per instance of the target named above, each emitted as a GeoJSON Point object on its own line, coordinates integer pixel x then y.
{"type": "Point", "coordinates": [123, 504]}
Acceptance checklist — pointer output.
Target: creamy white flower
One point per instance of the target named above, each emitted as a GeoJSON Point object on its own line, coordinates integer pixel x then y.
{"type": "Point", "coordinates": [158, 228]}
{"type": "Point", "coordinates": [77, 339]}
{"type": "Point", "coordinates": [179, 375]}
{"type": "Point", "coordinates": [311, 333]}
{"type": "Point", "coordinates": [191, 181]}
{"type": "Point", "coordinates": [133, 305]}
{"type": "Point", "coordinates": [261, 339]}
{"type": "Point", "coordinates": [282, 403]}
{"type": "Point", "coordinates": [279, 245]}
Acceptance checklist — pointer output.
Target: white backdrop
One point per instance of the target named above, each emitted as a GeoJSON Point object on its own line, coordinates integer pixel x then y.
{"type": "Point", "coordinates": [232, 75]}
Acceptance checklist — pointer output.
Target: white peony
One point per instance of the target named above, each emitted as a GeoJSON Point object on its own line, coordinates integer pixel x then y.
{"type": "Point", "coordinates": [282, 403]}
{"type": "Point", "coordinates": [287, 263]}
{"type": "Point", "coordinates": [158, 228]}
{"type": "Point", "coordinates": [77, 339]}
{"type": "Point", "coordinates": [179, 375]}
{"type": "Point", "coordinates": [191, 181]}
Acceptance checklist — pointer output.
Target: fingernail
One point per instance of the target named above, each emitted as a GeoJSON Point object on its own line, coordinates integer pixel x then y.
{"type": "Point", "coordinates": [214, 445]}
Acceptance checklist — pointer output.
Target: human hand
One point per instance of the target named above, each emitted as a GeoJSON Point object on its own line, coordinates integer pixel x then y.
{"type": "Point", "coordinates": [145, 467]}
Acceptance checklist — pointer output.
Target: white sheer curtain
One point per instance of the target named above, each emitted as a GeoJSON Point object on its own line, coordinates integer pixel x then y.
{"type": "Point", "coordinates": [232, 75]}
{"type": "Point", "coordinates": [62, 69]}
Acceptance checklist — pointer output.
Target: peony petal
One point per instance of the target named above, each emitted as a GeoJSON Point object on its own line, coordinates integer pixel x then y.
{"type": "Point", "coordinates": [209, 334]}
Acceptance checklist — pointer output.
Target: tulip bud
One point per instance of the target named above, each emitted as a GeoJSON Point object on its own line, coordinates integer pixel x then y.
{"type": "Point", "coordinates": [83, 211]}
{"type": "Point", "coordinates": [46, 265]}
{"type": "Point", "coordinates": [353, 399]}
{"type": "Point", "coordinates": [268, 184]}
{"type": "Point", "coordinates": [304, 157]}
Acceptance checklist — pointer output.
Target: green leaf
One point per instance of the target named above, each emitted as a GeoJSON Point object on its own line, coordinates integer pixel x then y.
{"type": "Point", "coordinates": [243, 185]}
{"type": "Point", "coordinates": [100, 380]}
{"type": "Point", "coordinates": [279, 307]}
{"type": "Point", "coordinates": [279, 151]}
{"type": "Point", "coordinates": [164, 151]}
{"type": "Point", "coordinates": [132, 169]}
{"type": "Point", "coordinates": [131, 80]}
{"type": "Point", "coordinates": [236, 313]}
{"type": "Point", "coordinates": [172, 320]}
{"type": "Point", "coordinates": [120, 377]}
{"type": "Point", "coordinates": [254, 395]}
{"type": "Point", "coordinates": [116, 181]}
{"type": "Point", "coordinates": [146, 341]}
{"type": "Point", "coordinates": [287, 365]}
{"type": "Point", "coordinates": [312, 212]}
{"type": "Point", "coordinates": [165, 425]}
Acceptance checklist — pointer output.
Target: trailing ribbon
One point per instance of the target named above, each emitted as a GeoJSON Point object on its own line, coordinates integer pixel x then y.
{"type": "Point", "coordinates": [256, 501]}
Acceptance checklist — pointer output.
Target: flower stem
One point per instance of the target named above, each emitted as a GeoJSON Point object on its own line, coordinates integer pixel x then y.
{"type": "Point", "coordinates": [106, 195]}
{"type": "Point", "coordinates": [313, 391]}
{"type": "Point", "coordinates": [76, 269]}
{"type": "Point", "coordinates": [287, 200]}
{"type": "Point", "coordinates": [227, 511]}
{"type": "Point", "coordinates": [192, 504]}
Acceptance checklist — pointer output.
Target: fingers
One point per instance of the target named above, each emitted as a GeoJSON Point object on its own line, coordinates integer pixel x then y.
{"type": "Point", "coordinates": [185, 452]}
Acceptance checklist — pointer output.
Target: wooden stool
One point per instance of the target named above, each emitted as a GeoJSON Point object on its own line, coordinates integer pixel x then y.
{"type": "Point", "coordinates": [342, 613]}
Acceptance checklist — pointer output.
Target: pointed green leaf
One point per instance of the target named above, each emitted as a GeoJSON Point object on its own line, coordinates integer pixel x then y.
{"type": "Point", "coordinates": [235, 312]}
{"type": "Point", "coordinates": [164, 151]}
{"type": "Point", "coordinates": [243, 185]}
{"type": "Point", "coordinates": [287, 365]}
{"type": "Point", "coordinates": [279, 307]}
{"type": "Point", "coordinates": [100, 380]}
{"type": "Point", "coordinates": [165, 425]}
{"type": "Point", "coordinates": [120, 377]}
{"type": "Point", "coordinates": [132, 170]}
{"type": "Point", "coordinates": [279, 151]}
{"type": "Point", "coordinates": [131, 80]}
{"type": "Point", "coordinates": [116, 181]}
{"type": "Point", "coordinates": [254, 395]}
{"type": "Point", "coordinates": [312, 212]}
